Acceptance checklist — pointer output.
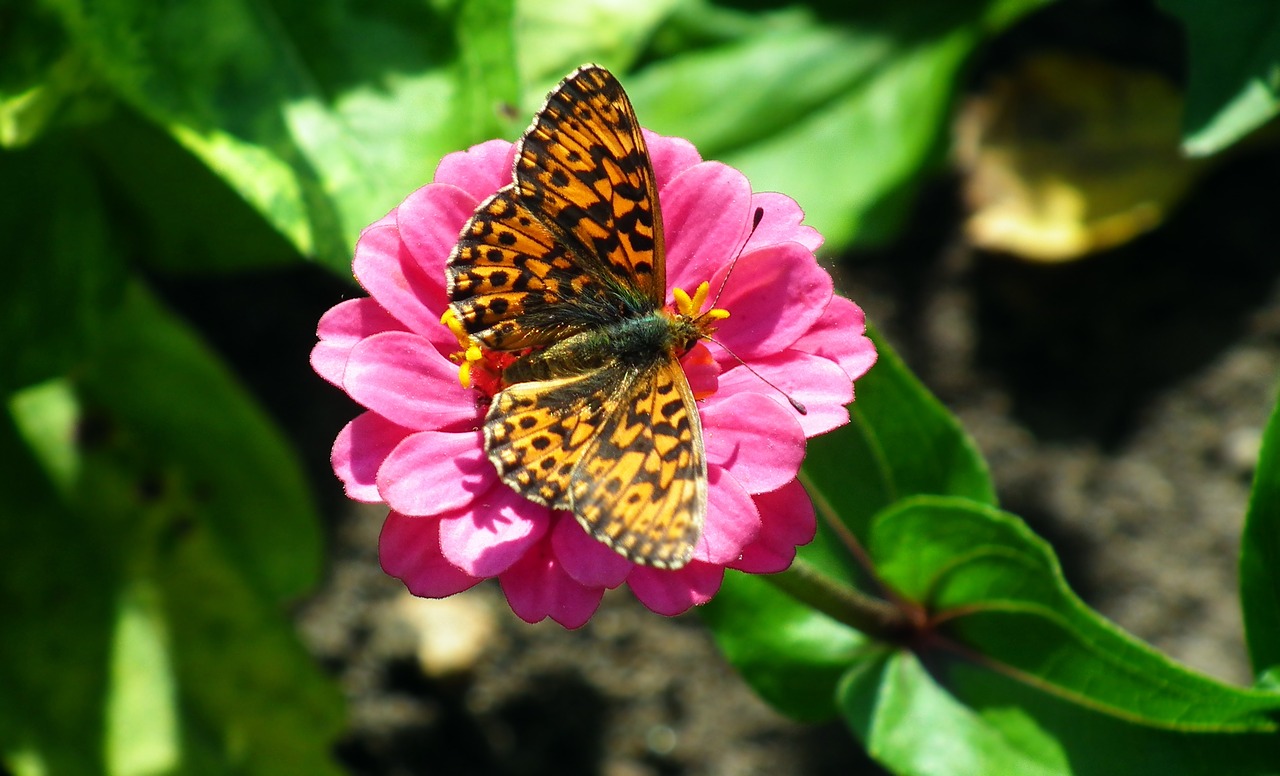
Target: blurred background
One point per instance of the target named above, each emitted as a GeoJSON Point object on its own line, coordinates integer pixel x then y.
{"type": "Point", "coordinates": [1062, 214]}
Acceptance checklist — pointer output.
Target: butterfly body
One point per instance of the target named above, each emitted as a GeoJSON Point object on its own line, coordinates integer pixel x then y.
{"type": "Point", "coordinates": [564, 270]}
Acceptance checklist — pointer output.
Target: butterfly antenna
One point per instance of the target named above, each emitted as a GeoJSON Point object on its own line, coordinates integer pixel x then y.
{"type": "Point", "coordinates": [755, 223]}
{"type": "Point", "coordinates": [795, 403]}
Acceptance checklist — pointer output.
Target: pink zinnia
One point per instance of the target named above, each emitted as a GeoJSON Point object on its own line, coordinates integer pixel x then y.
{"type": "Point", "coordinates": [419, 447]}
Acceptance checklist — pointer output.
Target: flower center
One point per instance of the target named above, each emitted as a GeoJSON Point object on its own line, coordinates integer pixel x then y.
{"type": "Point", "coordinates": [477, 368]}
{"type": "Point", "coordinates": [690, 307]}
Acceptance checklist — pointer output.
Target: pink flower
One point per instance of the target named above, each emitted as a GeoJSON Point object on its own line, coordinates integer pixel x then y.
{"type": "Point", "coordinates": [418, 447]}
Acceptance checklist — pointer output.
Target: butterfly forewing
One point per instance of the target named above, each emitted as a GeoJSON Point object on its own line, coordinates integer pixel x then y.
{"type": "Point", "coordinates": [585, 165]}
{"type": "Point", "coordinates": [514, 284]}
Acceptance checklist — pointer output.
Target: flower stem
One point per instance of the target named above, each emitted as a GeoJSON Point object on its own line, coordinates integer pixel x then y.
{"type": "Point", "coordinates": [873, 616]}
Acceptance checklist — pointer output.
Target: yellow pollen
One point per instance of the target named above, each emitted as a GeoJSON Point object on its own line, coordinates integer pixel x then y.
{"type": "Point", "coordinates": [450, 319]}
{"type": "Point", "coordinates": [470, 352]}
{"type": "Point", "coordinates": [700, 296]}
{"type": "Point", "coordinates": [690, 307]}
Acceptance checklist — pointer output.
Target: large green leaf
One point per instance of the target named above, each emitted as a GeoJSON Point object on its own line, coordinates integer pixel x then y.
{"type": "Point", "coordinates": [900, 441]}
{"type": "Point", "coordinates": [160, 523]}
{"type": "Point", "coordinates": [982, 722]}
{"type": "Point", "coordinates": [63, 275]}
{"type": "Point", "coordinates": [323, 121]}
{"type": "Point", "coordinates": [1260, 555]}
{"type": "Point", "coordinates": [1234, 70]}
{"type": "Point", "coordinates": [996, 595]}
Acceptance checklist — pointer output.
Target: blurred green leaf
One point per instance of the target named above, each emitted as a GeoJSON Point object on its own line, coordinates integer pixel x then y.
{"type": "Point", "coordinates": [900, 442]}
{"type": "Point", "coordinates": [842, 112]}
{"type": "Point", "coordinates": [196, 424]}
{"type": "Point", "coordinates": [554, 38]}
{"type": "Point", "coordinates": [1234, 70]}
{"type": "Point", "coordinates": [486, 44]}
{"type": "Point", "coordinates": [63, 271]}
{"type": "Point", "coordinates": [1260, 555]}
{"type": "Point", "coordinates": [56, 588]}
{"type": "Point", "coordinates": [161, 523]}
{"type": "Point", "coordinates": [322, 119]}
{"type": "Point", "coordinates": [996, 595]}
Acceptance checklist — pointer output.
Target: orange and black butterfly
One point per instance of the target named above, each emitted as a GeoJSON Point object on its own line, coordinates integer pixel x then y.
{"type": "Point", "coordinates": [564, 269]}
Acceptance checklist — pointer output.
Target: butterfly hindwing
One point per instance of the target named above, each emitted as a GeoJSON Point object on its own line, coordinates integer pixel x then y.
{"type": "Point", "coordinates": [641, 485]}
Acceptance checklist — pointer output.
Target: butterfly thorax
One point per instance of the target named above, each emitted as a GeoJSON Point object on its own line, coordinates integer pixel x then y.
{"type": "Point", "coordinates": [634, 343]}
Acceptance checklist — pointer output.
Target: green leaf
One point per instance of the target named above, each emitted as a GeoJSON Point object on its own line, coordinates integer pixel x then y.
{"type": "Point", "coordinates": [996, 595]}
{"type": "Point", "coordinates": [554, 38]}
{"type": "Point", "coordinates": [62, 273]}
{"type": "Point", "coordinates": [901, 441]}
{"type": "Point", "coordinates": [1260, 555]}
{"type": "Point", "coordinates": [56, 590]}
{"type": "Point", "coordinates": [487, 67]}
{"type": "Point", "coordinates": [196, 425]}
{"type": "Point", "coordinates": [841, 114]}
{"type": "Point", "coordinates": [1234, 72]}
{"type": "Point", "coordinates": [913, 726]}
{"type": "Point", "coordinates": [959, 719]}
{"type": "Point", "coordinates": [322, 120]}
{"type": "Point", "coordinates": [160, 525]}
{"type": "Point", "coordinates": [795, 662]}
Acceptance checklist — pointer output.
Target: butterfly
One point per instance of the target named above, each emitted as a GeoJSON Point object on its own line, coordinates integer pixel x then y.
{"type": "Point", "coordinates": [564, 269]}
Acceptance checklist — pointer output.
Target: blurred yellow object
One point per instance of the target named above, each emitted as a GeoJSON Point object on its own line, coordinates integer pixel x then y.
{"type": "Point", "coordinates": [1067, 155]}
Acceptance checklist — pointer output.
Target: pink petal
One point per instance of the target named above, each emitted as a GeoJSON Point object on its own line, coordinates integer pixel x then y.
{"type": "Point", "coordinates": [345, 324]}
{"type": "Point", "coordinates": [485, 538]}
{"type": "Point", "coordinates": [670, 156]}
{"type": "Point", "coordinates": [754, 438]}
{"type": "Point", "coordinates": [588, 561]}
{"type": "Point", "coordinates": [787, 522]}
{"type": "Point", "coordinates": [402, 377]}
{"type": "Point", "coordinates": [379, 265]}
{"type": "Point", "coordinates": [430, 220]}
{"type": "Point", "coordinates": [774, 297]}
{"type": "Point", "coordinates": [732, 520]}
{"type": "Point", "coordinates": [432, 472]}
{"type": "Point", "coordinates": [361, 447]}
{"type": "Point", "coordinates": [840, 336]}
{"type": "Point", "coordinates": [705, 212]}
{"type": "Point", "coordinates": [673, 592]}
{"type": "Point", "coordinates": [537, 587]}
{"type": "Point", "coordinates": [817, 383]}
{"type": "Point", "coordinates": [781, 223]}
{"type": "Point", "coordinates": [480, 170]}
{"type": "Point", "coordinates": [409, 549]}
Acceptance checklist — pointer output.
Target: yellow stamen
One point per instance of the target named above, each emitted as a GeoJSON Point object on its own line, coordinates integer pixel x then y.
{"type": "Point", "coordinates": [700, 296]}
{"type": "Point", "coordinates": [464, 374]}
{"type": "Point", "coordinates": [450, 319]}
{"type": "Point", "coordinates": [716, 314]}
{"type": "Point", "coordinates": [684, 305]}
